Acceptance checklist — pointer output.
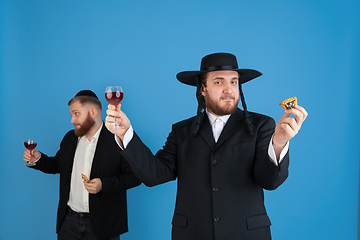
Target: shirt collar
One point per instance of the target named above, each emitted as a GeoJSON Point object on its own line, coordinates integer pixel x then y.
{"type": "Point", "coordinates": [212, 117]}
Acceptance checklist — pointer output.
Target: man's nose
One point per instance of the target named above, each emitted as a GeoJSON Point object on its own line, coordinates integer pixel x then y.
{"type": "Point", "coordinates": [227, 88]}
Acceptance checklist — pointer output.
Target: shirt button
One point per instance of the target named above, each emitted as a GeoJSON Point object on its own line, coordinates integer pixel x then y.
{"type": "Point", "coordinates": [216, 219]}
{"type": "Point", "coordinates": [215, 189]}
{"type": "Point", "coordinates": [214, 161]}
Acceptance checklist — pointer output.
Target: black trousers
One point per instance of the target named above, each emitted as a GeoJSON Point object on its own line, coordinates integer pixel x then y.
{"type": "Point", "coordinates": [77, 226]}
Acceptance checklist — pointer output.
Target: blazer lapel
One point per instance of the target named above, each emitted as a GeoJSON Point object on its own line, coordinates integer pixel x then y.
{"type": "Point", "coordinates": [72, 145]}
{"type": "Point", "coordinates": [97, 155]}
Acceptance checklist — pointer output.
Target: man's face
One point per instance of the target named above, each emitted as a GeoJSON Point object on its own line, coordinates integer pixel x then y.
{"type": "Point", "coordinates": [81, 118]}
{"type": "Point", "coordinates": [221, 92]}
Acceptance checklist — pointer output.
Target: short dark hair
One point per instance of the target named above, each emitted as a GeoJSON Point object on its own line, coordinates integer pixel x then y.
{"type": "Point", "coordinates": [85, 99]}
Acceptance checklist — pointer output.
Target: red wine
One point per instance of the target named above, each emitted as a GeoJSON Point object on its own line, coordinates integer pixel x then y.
{"type": "Point", "coordinates": [114, 98]}
{"type": "Point", "coordinates": [30, 145]}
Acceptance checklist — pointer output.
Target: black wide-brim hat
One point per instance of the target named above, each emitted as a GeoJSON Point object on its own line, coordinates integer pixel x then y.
{"type": "Point", "coordinates": [217, 62]}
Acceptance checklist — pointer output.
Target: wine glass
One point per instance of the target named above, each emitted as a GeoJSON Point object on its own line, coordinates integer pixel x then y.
{"type": "Point", "coordinates": [114, 95]}
{"type": "Point", "coordinates": [30, 143]}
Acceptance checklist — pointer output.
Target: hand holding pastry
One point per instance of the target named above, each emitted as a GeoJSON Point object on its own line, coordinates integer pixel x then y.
{"type": "Point", "coordinates": [93, 186]}
{"type": "Point", "coordinates": [287, 127]}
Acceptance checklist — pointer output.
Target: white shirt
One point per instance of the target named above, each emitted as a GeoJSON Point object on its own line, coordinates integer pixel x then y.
{"type": "Point", "coordinates": [84, 155]}
{"type": "Point", "coordinates": [217, 124]}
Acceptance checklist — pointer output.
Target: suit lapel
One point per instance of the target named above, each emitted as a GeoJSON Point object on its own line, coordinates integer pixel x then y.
{"type": "Point", "coordinates": [234, 122]}
{"type": "Point", "coordinates": [206, 131]}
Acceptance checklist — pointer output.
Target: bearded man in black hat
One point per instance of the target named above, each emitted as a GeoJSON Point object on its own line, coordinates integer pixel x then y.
{"type": "Point", "coordinates": [92, 209]}
{"type": "Point", "coordinates": [223, 157]}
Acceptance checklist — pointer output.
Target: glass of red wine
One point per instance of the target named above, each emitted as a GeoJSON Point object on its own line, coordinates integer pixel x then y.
{"type": "Point", "coordinates": [30, 144]}
{"type": "Point", "coordinates": [114, 95]}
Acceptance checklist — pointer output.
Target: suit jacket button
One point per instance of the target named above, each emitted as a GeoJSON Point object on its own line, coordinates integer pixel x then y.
{"type": "Point", "coordinates": [215, 189]}
{"type": "Point", "coordinates": [216, 219]}
{"type": "Point", "coordinates": [214, 161]}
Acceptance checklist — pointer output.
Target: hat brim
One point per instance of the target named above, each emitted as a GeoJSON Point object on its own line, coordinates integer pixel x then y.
{"type": "Point", "coordinates": [190, 77]}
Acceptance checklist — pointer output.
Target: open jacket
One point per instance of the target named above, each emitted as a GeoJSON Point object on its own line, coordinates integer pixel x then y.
{"type": "Point", "coordinates": [108, 208]}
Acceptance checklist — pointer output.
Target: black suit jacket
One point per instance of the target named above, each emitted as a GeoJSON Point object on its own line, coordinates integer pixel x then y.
{"type": "Point", "coordinates": [220, 185]}
{"type": "Point", "coordinates": [108, 208]}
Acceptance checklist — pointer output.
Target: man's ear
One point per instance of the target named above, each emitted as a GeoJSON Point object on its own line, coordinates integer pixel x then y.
{"type": "Point", "coordinates": [202, 90]}
{"type": "Point", "coordinates": [93, 112]}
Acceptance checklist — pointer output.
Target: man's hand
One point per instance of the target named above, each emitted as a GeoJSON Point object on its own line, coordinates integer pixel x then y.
{"type": "Point", "coordinates": [288, 127]}
{"type": "Point", "coordinates": [32, 155]}
{"type": "Point", "coordinates": [115, 114]}
{"type": "Point", "coordinates": [93, 186]}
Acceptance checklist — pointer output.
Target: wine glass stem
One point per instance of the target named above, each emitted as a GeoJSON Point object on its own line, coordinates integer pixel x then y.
{"type": "Point", "coordinates": [115, 124]}
{"type": "Point", "coordinates": [30, 156]}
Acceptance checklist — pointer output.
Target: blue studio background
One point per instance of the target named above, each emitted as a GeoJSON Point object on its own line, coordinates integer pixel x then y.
{"type": "Point", "coordinates": [310, 49]}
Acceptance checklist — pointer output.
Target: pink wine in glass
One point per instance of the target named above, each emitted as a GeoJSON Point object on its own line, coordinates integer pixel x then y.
{"type": "Point", "coordinates": [114, 98]}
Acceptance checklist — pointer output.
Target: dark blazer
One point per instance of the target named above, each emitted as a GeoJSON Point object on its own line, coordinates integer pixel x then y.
{"type": "Point", "coordinates": [108, 208]}
{"type": "Point", "coordinates": [220, 185]}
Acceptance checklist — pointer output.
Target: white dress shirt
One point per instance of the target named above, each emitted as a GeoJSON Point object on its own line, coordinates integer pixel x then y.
{"type": "Point", "coordinates": [84, 155]}
{"type": "Point", "coordinates": [216, 133]}
{"type": "Point", "coordinates": [217, 124]}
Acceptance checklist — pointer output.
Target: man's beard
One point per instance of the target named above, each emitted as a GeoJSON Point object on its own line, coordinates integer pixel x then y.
{"type": "Point", "coordinates": [218, 110]}
{"type": "Point", "coordinates": [85, 126]}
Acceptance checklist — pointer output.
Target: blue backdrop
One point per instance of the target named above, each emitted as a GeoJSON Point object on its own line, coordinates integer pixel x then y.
{"type": "Point", "coordinates": [310, 49]}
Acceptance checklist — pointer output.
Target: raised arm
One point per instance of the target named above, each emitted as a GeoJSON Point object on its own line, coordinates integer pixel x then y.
{"type": "Point", "coordinates": [287, 127]}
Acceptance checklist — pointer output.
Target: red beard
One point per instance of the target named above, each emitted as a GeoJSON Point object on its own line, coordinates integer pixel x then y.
{"type": "Point", "coordinates": [85, 126]}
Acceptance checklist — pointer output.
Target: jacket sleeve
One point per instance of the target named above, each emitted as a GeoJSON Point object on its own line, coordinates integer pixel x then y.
{"type": "Point", "coordinates": [108, 165]}
{"type": "Point", "coordinates": [48, 164]}
{"type": "Point", "coordinates": [152, 170]}
{"type": "Point", "coordinates": [125, 180]}
{"type": "Point", "coordinates": [266, 173]}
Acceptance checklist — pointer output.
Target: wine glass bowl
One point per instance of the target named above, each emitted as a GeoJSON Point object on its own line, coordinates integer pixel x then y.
{"type": "Point", "coordinates": [30, 144]}
{"type": "Point", "coordinates": [114, 95]}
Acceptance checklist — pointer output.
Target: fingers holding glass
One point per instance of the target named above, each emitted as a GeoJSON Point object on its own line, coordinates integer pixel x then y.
{"type": "Point", "coordinates": [30, 144]}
